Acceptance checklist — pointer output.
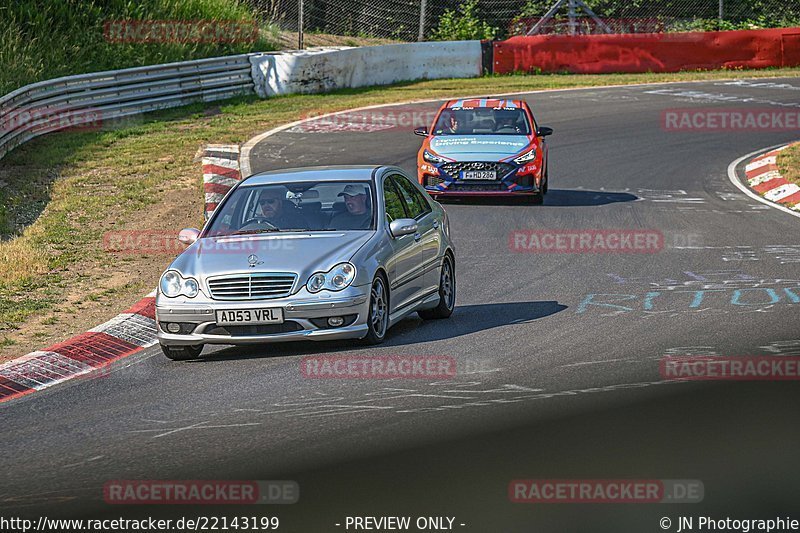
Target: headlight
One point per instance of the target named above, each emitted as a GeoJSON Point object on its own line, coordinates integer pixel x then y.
{"type": "Point", "coordinates": [527, 156]}
{"type": "Point", "coordinates": [190, 288]}
{"type": "Point", "coordinates": [430, 157]}
{"type": "Point", "coordinates": [316, 282]}
{"type": "Point", "coordinates": [336, 279]}
{"type": "Point", "coordinates": [173, 284]}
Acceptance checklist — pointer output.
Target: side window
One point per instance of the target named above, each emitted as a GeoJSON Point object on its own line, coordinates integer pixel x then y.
{"type": "Point", "coordinates": [416, 204]}
{"type": "Point", "coordinates": [394, 205]}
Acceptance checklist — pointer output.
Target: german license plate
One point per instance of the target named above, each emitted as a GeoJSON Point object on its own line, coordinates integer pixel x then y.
{"type": "Point", "coordinates": [271, 315]}
{"type": "Point", "coordinates": [479, 175]}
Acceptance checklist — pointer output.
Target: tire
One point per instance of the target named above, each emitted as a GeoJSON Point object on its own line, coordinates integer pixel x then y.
{"type": "Point", "coordinates": [546, 184]}
{"type": "Point", "coordinates": [536, 199]}
{"type": "Point", "coordinates": [182, 353]}
{"type": "Point", "coordinates": [378, 318]}
{"type": "Point", "coordinates": [447, 293]}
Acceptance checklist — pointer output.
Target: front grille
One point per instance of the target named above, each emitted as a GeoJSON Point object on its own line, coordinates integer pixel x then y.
{"type": "Point", "coordinates": [263, 329]}
{"type": "Point", "coordinates": [256, 286]}
{"type": "Point", "coordinates": [454, 169]}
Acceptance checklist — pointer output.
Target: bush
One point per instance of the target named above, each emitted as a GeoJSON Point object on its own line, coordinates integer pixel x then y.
{"type": "Point", "coordinates": [668, 16]}
{"type": "Point", "coordinates": [463, 24]}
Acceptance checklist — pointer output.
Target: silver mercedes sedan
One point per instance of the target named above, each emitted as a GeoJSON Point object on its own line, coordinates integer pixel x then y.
{"type": "Point", "coordinates": [315, 253]}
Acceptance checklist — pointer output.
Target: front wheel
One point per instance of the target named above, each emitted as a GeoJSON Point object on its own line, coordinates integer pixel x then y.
{"type": "Point", "coordinates": [546, 183]}
{"type": "Point", "coordinates": [378, 318]}
{"type": "Point", "coordinates": [182, 353]}
{"type": "Point", "coordinates": [447, 293]}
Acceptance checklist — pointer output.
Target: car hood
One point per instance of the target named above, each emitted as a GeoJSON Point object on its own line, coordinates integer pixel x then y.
{"type": "Point", "coordinates": [301, 253]}
{"type": "Point", "coordinates": [478, 147]}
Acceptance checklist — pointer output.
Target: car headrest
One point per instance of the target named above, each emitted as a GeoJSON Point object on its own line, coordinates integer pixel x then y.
{"type": "Point", "coordinates": [311, 206]}
{"type": "Point", "coordinates": [483, 125]}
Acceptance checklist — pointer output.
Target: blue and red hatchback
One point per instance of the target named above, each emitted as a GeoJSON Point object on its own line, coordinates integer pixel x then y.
{"type": "Point", "coordinates": [484, 147]}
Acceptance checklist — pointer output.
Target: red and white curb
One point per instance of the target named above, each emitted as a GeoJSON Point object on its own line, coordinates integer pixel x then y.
{"type": "Point", "coordinates": [764, 177]}
{"type": "Point", "coordinates": [124, 335]}
{"type": "Point", "coordinates": [762, 180]}
{"type": "Point", "coordinates": [220, 173]}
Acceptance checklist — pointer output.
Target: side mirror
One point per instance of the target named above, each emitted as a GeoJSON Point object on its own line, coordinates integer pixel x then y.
{"type": "Point", "coordinates": [544, 131]}
{"type": "Point", "coordinates": [422, 132]}
{"type": "Point", "coordinates": [402, 226]}
{"type": "Point", "coordinates": [189, 235]}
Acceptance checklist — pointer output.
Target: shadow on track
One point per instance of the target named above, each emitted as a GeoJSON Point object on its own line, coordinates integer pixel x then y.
{"type": "Point", "coordinates": [466, 319]}
{"type": "Point", "coordinates": [554, 198]}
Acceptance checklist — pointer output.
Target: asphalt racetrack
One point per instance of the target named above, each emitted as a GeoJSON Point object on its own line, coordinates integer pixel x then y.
{"type": "Point", "coordinates": [558, 353]}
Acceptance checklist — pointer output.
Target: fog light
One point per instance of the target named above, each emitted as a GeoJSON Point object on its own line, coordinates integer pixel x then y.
{"type": "Point", "coordinates": [174, 327]}
{"type": "Point", "coordinates": [335, 321]}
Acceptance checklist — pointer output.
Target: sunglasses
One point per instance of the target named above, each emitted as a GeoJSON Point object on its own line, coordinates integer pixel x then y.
{"type": "Point", "coordinates": [269, 201]}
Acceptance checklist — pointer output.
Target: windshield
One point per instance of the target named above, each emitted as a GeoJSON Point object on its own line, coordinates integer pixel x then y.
{"type": "Point", "coordinates": [301, 206]}
{"type": "Point", "coordinates": [482, 121]}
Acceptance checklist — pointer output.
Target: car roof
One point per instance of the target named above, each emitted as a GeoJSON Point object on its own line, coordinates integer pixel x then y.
{"type": "Point", "coordinates": [321, 173]}
{"type": "Point", "coordinates": [485, 102]}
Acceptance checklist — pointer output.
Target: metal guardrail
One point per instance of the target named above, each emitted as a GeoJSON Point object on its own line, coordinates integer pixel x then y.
{"type": "Point", "coordinates": [71, 101]}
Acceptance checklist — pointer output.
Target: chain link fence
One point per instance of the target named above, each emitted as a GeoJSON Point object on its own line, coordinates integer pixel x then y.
{"type": "Point", "coordinates": [413, 20]}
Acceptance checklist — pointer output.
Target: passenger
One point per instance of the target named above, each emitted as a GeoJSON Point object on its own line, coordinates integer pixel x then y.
{"type": "Point", "coordinates": [357, 215]}
{"type": "Point", "coordinates": [506, 122]}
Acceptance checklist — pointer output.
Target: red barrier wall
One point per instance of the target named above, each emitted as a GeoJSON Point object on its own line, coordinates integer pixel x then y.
{"type": "Point", "coordinates": [652, 52]}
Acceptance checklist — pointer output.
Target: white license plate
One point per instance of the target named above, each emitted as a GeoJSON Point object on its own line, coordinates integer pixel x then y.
{"type": "Point", "coordinates": [272, 315]}
{"type": "Point", "coordinates": [479, 175]}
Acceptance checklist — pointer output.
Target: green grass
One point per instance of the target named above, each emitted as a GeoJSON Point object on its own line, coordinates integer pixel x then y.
{"type": "Point", "coordinates": [101, 180]}
{"type": "Point", "coordinates": [789, 163]}
{"type": "Point", "coordinates": [44, 39]}
{"type": "Point", "coordinates": [6, 342]}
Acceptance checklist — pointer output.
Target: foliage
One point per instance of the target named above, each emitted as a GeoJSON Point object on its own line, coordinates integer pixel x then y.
{"type": "Point", "coordinates": [463, 23]}
{"type": "Point", "coordinates": [44, 39]}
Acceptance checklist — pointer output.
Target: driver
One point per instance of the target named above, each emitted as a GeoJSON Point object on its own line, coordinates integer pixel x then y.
{"type": "Point", "coordinates": [272, 207]}
{"type": "Point", "coordinates": [448, 122]}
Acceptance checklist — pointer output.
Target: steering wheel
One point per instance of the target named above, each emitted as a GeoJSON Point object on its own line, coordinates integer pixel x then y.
{"type": "Point", "coordinates": [261, 221]}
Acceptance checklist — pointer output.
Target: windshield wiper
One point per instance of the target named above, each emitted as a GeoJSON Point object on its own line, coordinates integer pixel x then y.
{"type": "Point", "coordinates": [255, 231]}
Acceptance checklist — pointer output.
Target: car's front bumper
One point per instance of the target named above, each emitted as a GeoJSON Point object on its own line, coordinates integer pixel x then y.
{"type": "Point", "coordinates": [198, 320]}
{"type": "Point", "coordinates": [456, 192]}
{"type": "Point", "coordinates": [516, 180]}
